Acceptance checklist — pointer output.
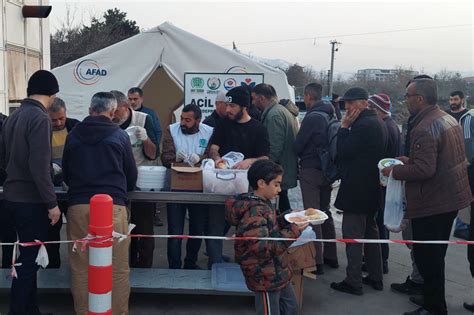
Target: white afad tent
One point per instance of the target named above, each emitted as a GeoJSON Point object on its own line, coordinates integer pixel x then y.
{"type": "Point", "coordinates": [156, 61]}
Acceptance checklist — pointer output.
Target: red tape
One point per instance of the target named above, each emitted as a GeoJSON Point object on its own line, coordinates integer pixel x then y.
{"type": "Point", "coordinates": [105, 239]}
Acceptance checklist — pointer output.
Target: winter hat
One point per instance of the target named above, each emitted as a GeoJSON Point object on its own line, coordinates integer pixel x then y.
{"type": "Point", "coordinates": [381, 101]}
{"type": "Point", "coordinates": [354, 94]}
{"type": "Point", "coordinates": [220, 97]}
{"type": "Point", "coordinates": [42, 82]}
{"type": "Point", "coordinates": [239, 95]}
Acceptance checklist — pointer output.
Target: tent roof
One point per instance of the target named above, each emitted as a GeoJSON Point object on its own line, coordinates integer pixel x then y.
{"type": "Point", "coordinates": [132, 62]}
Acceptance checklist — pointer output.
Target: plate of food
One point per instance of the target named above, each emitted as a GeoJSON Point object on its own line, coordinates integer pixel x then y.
{"type": "Point", "coordinates": [310, 215]}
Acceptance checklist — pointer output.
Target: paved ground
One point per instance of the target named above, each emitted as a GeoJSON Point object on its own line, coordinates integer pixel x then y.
{"type": "Point", "coordinates": [319, 298]}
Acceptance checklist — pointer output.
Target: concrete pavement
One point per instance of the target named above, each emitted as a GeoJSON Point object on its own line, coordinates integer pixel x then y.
{"type": "Point", "coordinates": [319, 298]}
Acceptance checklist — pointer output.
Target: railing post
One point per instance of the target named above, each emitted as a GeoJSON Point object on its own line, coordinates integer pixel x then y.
{"type": "Point", "coordinates": [100, 256]}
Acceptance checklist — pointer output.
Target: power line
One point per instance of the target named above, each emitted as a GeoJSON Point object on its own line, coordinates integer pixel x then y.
{"type": "Point", "coordinates": [353, 34]}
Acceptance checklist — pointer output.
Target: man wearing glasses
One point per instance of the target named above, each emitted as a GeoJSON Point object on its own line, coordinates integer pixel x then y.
{"type": "Point", "coordinates": [436, 187]}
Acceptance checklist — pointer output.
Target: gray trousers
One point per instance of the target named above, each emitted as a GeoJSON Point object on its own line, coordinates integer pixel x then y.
{"type": "Point", "coordinates": [415, 276]}
{"type": "Point", "coordinates": [281, 302]}
{"type": "Point", "coordinates": [316, 194]}
{"type": "Point", "coordinates": [361, 226]}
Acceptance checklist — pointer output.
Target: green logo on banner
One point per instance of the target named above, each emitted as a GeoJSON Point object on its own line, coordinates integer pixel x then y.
{"type": "Point", "coordinates": [197, 82]}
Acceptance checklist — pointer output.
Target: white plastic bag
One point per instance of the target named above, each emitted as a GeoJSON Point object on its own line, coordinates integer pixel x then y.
{"type": "Point", "coordinates": [306, 236]}
{"type": "Point", "coordinates": [395, 204]}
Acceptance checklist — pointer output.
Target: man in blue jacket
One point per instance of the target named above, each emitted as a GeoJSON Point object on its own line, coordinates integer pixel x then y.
{"type": "Point", "coordinates": [98, 159]}
{"type": "Point", "coordinates": [135, 98]}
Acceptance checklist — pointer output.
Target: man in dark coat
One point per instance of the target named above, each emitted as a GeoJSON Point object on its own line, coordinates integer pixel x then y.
{"type": "Point", "coordinates": [381, 104]}
{"type": "Point", "coordinates": [362, 142]}
{"type": "Point", "coordinates": [28, 191]}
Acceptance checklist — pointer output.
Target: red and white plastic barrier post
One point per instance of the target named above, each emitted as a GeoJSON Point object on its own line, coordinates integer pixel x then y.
{"type": "Point", "coordinates": [100, 255]}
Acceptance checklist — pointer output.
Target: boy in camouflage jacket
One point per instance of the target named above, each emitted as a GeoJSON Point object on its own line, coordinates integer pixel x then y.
{"type": "Point", "coordinates": [261, 261]}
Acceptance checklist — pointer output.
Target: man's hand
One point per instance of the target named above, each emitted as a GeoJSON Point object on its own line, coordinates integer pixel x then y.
{"type": "Point", "coordinates": [181, 156]}
{"type": "Point", "coordinates": [302, 227]}
{"type": "Point", "coordinates": [243, 165]}
{"type": "Point", "coordinates": [386, 171]}
{"type": "Point", "coordinates": [350, 117]}
{"type": "Point", "coordinates": [54, 215]}
{"type": "Point", "coordinates": [404, 159]}
{"type": "Point", "coordinates": [140, 133]}
{"type": "Point", "coordinates": [192, 159]}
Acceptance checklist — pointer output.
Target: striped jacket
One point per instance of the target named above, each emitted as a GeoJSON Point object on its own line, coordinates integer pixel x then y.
{"type": "Point", "coordinates": [467, 124]}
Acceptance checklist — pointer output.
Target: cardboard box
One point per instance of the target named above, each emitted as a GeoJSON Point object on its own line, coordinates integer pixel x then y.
{"type": "Point", "coordinates": [301, 257]}
{"type": "Point", "coordinates": [297, 282]}
{"type": "Point", "coordinates": [186, 178]}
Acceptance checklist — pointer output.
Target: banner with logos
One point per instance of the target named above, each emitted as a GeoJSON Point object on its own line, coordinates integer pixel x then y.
{"type": "Point", "coordinates": [201, 88]}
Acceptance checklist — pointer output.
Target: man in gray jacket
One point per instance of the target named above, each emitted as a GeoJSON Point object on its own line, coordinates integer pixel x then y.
{"type": "Point", "coordinates": [282, 130]}
{"type": "Point", "coordinates": [28, 190]}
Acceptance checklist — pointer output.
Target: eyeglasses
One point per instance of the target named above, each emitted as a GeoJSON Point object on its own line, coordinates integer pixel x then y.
{"type": "Point", "coordinates": [410, 95]}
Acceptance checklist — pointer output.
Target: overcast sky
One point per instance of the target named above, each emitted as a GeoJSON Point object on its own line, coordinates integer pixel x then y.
{"type": "Point", "coordinates": [427, 35]}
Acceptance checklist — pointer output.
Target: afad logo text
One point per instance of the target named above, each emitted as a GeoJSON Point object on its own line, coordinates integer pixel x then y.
{"type": "Point", "coordinates": [88, 72]}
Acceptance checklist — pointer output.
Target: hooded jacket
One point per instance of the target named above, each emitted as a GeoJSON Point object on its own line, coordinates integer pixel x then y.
{"type": "Point", "coordinates": [261, 261]}
{"type": "Point", "coordinates": [312, 135]}
{"type": "Point", "coordinates": [282, 130]}
{"type": "Point", "coordinates": [98, 159]}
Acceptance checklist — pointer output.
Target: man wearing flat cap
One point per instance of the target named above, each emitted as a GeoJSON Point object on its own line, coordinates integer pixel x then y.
{"type": "Point", "coordinates": [361, 143]}
{"type": "Point", "coordinates": [30, 201]}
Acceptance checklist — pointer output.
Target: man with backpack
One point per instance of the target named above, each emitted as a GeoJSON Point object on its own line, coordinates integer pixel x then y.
{"type": "Point", "coordinates": [311, 140]}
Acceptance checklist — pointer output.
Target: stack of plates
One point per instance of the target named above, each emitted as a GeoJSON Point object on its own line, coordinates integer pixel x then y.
{"type": "Point", "coordinates": [151, 177]}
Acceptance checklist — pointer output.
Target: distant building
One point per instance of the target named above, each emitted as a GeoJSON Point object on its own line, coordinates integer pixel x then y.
{"type": "Point", "coordinates": [469, 80]}
{"type": "Point", "coordinates": [24, 48]}
{"type": "Point", "coordinates": [382, 74]}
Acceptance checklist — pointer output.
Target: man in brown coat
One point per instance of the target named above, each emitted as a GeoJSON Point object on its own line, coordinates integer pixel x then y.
{"type": "Point", "coordinates": [436, 187]}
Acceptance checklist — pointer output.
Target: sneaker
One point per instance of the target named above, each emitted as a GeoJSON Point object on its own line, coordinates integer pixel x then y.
{"type": "Point", "coordinates": [377, 285]}
{"type": "Point", "coordinates": [319, 269]}
{"type": "Point", "coordinates": [462, 234]}
{"type": "Point", "coordinates": [343, 286]}
{"type": "Point", "coordinates": [469, 307]}
{"type": "Point", "coordinates": [408, 287]}
{"type": "Point", "coordinates": [418, 300]}
{"type": "Point", "coordinates": [331, 263]}
{"type": "Point", "coordinates": [420, 311]}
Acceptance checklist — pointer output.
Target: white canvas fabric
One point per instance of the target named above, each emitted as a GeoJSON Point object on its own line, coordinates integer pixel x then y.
{"type": "Point", "coordinates": [156, 61]}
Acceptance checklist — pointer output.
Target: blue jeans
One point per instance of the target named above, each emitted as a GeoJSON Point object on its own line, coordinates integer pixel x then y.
{"type": "Point", "coordinates": [197, 223]}
{"type": "Point", "coordinates": [31, 223]}
{"type": "Point", "coordinates": [216, 226]}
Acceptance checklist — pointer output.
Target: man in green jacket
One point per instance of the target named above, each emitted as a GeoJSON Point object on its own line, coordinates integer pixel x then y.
{"type": "Point", "coordinates": [282, 130]}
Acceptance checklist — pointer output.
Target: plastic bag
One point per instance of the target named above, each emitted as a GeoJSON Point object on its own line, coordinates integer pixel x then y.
{"type": "Point", "coordinates": [395, 205]}
{"type": "Point", "coordinates": [306, 236]}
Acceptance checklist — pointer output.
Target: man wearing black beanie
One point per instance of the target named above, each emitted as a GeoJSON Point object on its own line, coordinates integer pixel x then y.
{"type": "Point", "coordinates": [30, 201]}
{"type": "Point", "coordinates": [239, 132]}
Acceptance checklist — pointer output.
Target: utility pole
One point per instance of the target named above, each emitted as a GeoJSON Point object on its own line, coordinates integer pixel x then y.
{"type": "Point", "coordinates": [331, 72]}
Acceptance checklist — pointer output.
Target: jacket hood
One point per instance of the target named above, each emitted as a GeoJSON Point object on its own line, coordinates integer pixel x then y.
{"type": "Point", "coordinates": [237, 206]}
{"type": "Point", "coordinates": [323, 106]}
{"type": "Point", "coordinates": [468, 113]}
{"type": "Point", "coordinates": [94, 129]}
{"type": "Point", "coordinates": [291, 107]}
